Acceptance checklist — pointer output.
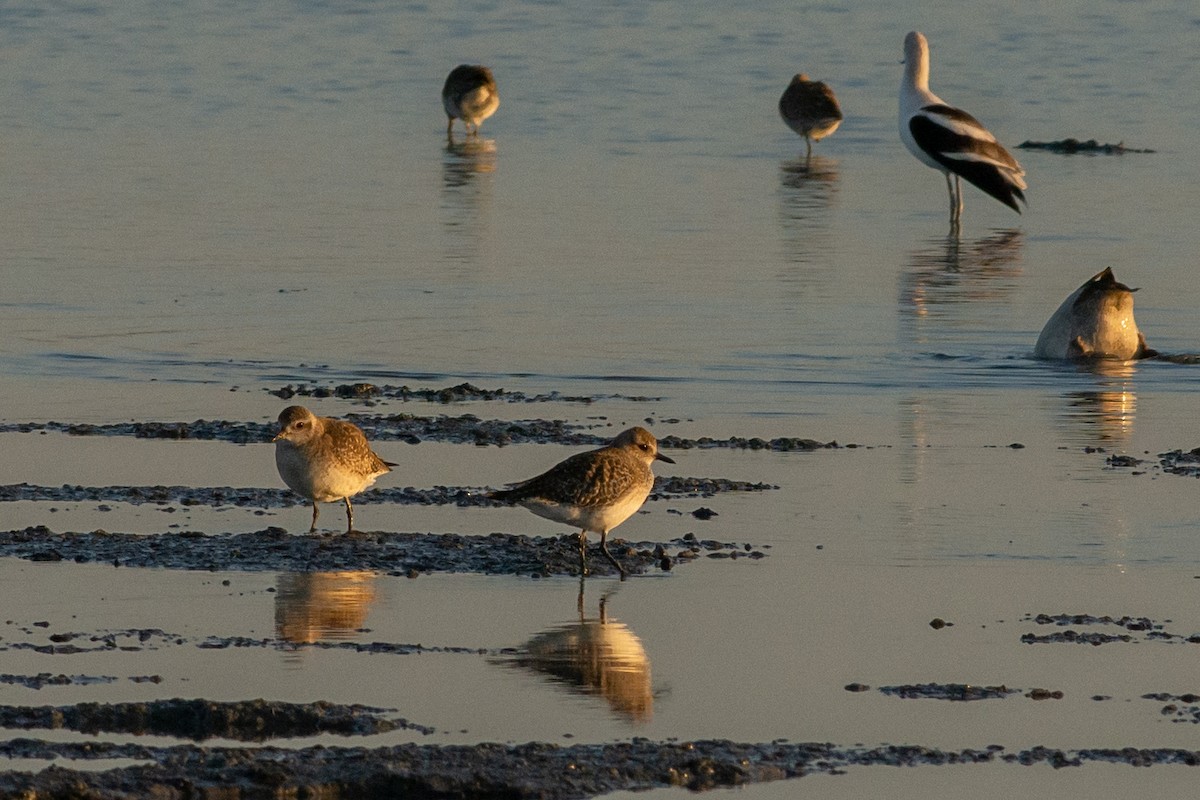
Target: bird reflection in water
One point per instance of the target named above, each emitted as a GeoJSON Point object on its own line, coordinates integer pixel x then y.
{"type": "Point", "coordinates": [464, 160]}
{"type": "Point", "coordinates": [596, 657]}
{"type": "Point", "coordinates": [314, 606]}
{"type": "Point", "coordinates": [950, 271]}
{"type": "Point", "coordinates": [1106, 413]}
{"type": "Point", "coordinates": [467, 168]}
{"type": "Point", "coordinates": [808, 188]}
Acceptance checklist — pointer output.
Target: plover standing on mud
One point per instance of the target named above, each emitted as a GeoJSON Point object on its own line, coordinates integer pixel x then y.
{"type": "Point", "coordinates": [469, 94]}
{"type": "Point", "coordinates": [810, 109]}
{"type": "Point", "coordinates": [951, 140]}
{"type": "Point", "coordinates": [594, 491]}
{"type": "Point", "coordinates": [324, 459]}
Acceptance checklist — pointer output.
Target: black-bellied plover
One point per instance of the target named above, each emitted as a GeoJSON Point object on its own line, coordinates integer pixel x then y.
{"type": "Point", "coordinates": [810, 109]}
{"type": "Point", "coordinates": [594, 491]}
{"type": "Point", "coordinates": [469, 94]}
{"type": "Point", "coordinates": [951, 140]}
{"type": "Point", "coordinates": [324, 459]}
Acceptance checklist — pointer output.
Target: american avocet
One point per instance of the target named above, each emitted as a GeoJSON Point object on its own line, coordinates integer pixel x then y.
{"type": "Point", "coordinates": [469, 94]}
{"type": "Point", "coordinates": [951, 140]}
{"type": "Point", "coordinates": [810, 109]}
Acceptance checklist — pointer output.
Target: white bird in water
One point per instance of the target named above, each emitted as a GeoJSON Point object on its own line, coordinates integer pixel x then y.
{"type": "Point", "coordinates": [1095, 321]}
{"type": "Point", "coordinates": [469, 94]}
{"type": "Point", "coordinates": [951, 140]}
{"type": "Point", "coordinates": [810, 109]}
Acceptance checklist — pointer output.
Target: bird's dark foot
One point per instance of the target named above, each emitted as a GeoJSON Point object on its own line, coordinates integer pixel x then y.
{"type": "Point", "coordinates": [614, 561]}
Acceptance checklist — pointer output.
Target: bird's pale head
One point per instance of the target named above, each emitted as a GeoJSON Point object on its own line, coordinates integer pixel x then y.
{"type": "Point", "coordinates": [297, 425]}
{"type": "Point", "coordinates": [640, 441]}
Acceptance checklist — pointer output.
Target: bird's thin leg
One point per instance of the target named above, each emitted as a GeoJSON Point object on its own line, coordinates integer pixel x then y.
{"type": "Point", "coordinates": [316, 513]}
{"type": "Point", "coordinates": [449, 126]}
{"type": "Point", "coordinates": [583, 553]}
{"type": "Point", "coordinates": [579, 599]}
{"type": "Point", "coordinates": [959, 196]}
{"type": "Point", "coordinates": [808, 150]}
{"type": "Point", "coordinates": [954, 187]}
{"type": "Point", "coordinates": [349, 516]}
{"type": "Point", "coordinates": [604, 547]}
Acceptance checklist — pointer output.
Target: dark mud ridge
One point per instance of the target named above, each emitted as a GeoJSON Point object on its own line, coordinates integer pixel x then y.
{"type": "Point", "coordinates": [251, 497]}
{"type": "Point", "coordinates": [142, 640]}
{"type": "Point", "coordinates": [274, 549]}
{"type": "Point", "coordinates": [1072, 146]}
{"type": "Point", "coordinates": [535, 770]}
{"type": "Point", "coordinates": [1175, 462]}
{"type": "Point", "coordinates": [464, 392]}
{"type": "Point", "coordinates": [465, 429]}
{"type": "Point", "coordinates": [948, 691]}
{"type": "Point", "coordinates": [250, 721]}
{"type": "Point", "coordinates": [1132, 630]}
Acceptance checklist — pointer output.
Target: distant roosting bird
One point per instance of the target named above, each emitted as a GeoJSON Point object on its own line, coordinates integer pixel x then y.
{"type": "Point", "coordinates": [810, 109]}
{"type": "Point", "coordinates": [469, 94]}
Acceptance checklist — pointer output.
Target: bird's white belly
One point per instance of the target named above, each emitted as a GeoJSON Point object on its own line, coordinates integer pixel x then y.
{"type": "Point", "coordinates": [598, 519]}
{"type": "Point", "coordinates": [315, 481]}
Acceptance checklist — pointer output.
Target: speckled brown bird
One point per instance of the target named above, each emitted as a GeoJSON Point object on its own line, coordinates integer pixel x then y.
{"type": "Point", "coordinates": [469, 94]}
{"type": "Point", "coordinates": [810, 109]}
{"type": "Point", "coordinates": [324, 459]}
{"type": "Point", "coordinates": [594, 491]}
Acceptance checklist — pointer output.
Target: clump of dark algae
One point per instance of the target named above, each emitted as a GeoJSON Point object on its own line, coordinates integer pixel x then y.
{"type": "Point", "coordinates": [274, 549]}
{"type": "Point", "coordinates": [1071, 146]}
{"type": "Point", "coordinates": [534, 770]}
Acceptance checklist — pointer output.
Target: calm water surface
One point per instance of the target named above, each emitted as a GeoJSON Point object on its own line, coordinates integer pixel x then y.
{"type": "Point", "coordinates": [244, 196]}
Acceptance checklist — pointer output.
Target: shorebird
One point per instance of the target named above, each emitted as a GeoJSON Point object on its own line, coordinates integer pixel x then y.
{"type": "Point", "coordinates": [324, 459]}
{"type": "Point", "coordinates": [810, 109]}
{"type": "Point", "coordinates": [594, 491]}
{"type": "Point", "coordinates": [951, 140]}
{"type": "Point", "coordinates": [470, 95]}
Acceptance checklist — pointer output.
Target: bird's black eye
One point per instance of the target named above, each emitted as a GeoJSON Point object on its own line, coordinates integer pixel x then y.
{"type": "Point", "coordinates": [300, 424]}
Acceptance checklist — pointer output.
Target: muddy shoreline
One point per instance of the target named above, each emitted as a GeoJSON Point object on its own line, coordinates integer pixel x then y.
{"type": "Point", "coordinates": [274, 549]}
{"type": "Point", "coordinates": [534, 770]}
{"type": "Point", "coordinates": [412, 429]}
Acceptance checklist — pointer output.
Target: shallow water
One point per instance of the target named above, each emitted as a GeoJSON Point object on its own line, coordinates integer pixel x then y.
{"type": "Point", "coordinates": [199, 206]}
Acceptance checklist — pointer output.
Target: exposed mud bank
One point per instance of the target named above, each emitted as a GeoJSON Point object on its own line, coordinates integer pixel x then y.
{"type": "Point", "coordinates": [252, 497]}
{"type": "Point", "coordinates": [274, 549]}
{"type": "Point", "coordinates": [249, 721]}
{"type": "Point", "coordinates": [1070, 146]}
{"type": "Point", "coordinates": [465, 429]}
{"type": "Point", "coordinates": [543, 771]}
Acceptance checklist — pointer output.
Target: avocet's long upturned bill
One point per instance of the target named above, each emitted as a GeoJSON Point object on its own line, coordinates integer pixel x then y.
{"type": "Point", "coordinates": [951, 140]}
